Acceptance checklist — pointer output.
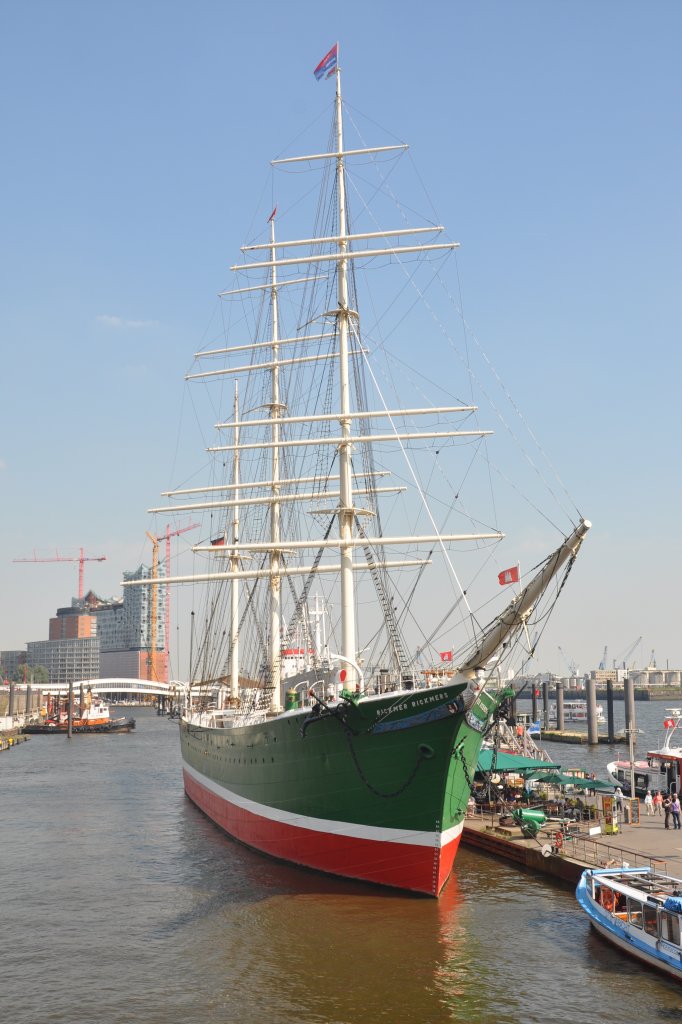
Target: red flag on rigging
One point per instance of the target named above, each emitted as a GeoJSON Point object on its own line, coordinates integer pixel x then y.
{"type": "Point", "coordinates": [508, 576]}
{"type": "Point", "coordinates": [446, 655]}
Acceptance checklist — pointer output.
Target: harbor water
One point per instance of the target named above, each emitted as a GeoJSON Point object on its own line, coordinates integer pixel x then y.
{"type": "Point", "coordinates": [122, 903]}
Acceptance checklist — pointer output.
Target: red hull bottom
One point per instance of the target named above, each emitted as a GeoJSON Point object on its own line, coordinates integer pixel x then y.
{"type": "Point", "coordinates": [422, 869]}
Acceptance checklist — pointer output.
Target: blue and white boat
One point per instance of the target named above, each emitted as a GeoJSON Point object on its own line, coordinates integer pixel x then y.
{"type": "Point", "coordinates": [637, 909]}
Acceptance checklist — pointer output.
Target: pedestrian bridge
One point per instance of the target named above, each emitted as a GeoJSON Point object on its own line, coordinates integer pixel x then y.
{"type": "Point", "coordinates": [129, 688]}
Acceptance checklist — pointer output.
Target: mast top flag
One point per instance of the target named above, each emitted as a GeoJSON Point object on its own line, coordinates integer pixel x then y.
{"type": "Point", "coordinates": [328, 64]}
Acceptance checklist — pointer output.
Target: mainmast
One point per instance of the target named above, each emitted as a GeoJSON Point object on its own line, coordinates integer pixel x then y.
{"type": "Point", "coordinates": [276, 410]}
{"type": "Point", "coordinates": [346, 509]}
{"type": "Point", "coordinates": [292, 432]}
{"type": "Point", "coordinates": [234, 560]}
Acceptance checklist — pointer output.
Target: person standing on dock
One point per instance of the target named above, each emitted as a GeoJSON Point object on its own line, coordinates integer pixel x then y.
{"type": "Point", "coordinates": [667, 805]}
{"type": "Point", "coordinates": [619, 800]}
{"type": "Point", "coordinates": [675, 809]}
{"type": "Point", "coordinates": [649, 803]}
{"type": "Point", "coordinates": [658, 802]}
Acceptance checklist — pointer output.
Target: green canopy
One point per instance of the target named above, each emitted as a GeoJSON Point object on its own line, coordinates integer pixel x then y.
{"type": "Point", "coordinates": [497, 760]}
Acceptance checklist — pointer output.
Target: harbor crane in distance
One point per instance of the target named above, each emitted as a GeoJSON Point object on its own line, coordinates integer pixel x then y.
{"type": "Point", "coordinates": [151, 665]}
{"type": "Point", "coordinates": [604, 658]}
{"type": "Point", "coordinates": [570, 664]}
{"type": "Point", "coordinates": [624, 658]}
{"type": "Point", "coordinates": [80, 558]}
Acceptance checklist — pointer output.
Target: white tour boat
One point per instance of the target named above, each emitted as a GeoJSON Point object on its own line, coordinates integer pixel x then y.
{"type": "Point", "coordinates": [576, 711]}
{"type": "Point", "coordinates": [638, 910]}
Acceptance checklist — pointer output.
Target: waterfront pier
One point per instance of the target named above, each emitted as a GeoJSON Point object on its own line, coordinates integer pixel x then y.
{"type": "Point", "coordinates": [565, 858]}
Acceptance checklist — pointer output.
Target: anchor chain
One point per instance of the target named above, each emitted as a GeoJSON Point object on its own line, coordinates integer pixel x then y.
{"type": "Point", "coordinates": [421, 756]}
{"type": "Point", "coordinates": [337, 713]}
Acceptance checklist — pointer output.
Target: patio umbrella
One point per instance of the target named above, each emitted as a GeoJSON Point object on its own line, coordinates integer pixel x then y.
{"type": "Point", "coordinates": [553, 778]}
{"type": "Point", "coordinates": [599, 784]}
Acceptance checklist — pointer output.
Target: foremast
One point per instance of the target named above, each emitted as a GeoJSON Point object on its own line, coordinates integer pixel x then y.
{"type": "Point", "coordinates": [346, 512]}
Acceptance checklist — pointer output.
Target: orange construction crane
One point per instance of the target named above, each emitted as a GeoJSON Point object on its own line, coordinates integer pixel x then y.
{"type": "Point", "coordinates": [151, 664]}
{"type": "Point", "coordinates": [81, 558]}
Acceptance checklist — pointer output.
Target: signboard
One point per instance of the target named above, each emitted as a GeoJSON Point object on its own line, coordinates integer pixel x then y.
{"type": "Point", "coordinates": [610, 815]}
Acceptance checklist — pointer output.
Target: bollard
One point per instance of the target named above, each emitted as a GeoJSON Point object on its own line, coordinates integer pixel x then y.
{"type": "Point", "coordinates": [611, 729]}
{"type": "Point", "coordinates": [560, 706]}
{"type": "Point", "coordinates": [592, 728]}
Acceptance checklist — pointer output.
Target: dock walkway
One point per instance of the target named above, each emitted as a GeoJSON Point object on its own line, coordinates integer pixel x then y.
{"type": "Point", "coordinates": [637, 845]}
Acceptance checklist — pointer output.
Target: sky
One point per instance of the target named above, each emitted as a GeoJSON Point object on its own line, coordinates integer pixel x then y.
{"type": "Point", "coordinates": [136, 145]}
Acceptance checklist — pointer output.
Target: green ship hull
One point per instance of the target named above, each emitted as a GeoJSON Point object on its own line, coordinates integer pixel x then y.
{"type": "Point", "coordinates": [375, 790]}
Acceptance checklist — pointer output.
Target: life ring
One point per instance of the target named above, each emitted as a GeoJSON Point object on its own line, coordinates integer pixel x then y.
{"type": "Point", "coordinates": [558, 840]}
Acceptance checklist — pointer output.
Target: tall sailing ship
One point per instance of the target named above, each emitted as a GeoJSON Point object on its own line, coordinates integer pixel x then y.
{"type": "Point", "coordinates": [360, 763]}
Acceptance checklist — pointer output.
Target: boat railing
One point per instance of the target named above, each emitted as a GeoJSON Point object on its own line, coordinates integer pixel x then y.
{"type": "Point", "coordinates": [226, 719]}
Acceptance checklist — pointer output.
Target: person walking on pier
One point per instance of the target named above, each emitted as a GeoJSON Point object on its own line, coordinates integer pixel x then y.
{"type": "Point", "coordinates": [675, 809]}
{"type": "Point", "coordinates": [658, 802]}
{"type": "Point", "coordinates": [649, 803]}
{"type": "Point", "coordinates": [667, 805]}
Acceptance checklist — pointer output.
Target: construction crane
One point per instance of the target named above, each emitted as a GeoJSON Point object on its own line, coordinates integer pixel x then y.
{"type": "Point", "coordinates": [81, 559]}
{"type": "Point", "coordinates": [151, 664]}
{"type": "Point", "coordinates": [604, 657]}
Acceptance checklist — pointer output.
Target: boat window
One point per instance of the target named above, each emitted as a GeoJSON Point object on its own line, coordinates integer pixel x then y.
{"type": "Point", "coordinates": [606, 898]}
{"type": "Point", "coordinates": [635, 912]}
{"type": "Point", "coordinates": [670, 927]}
{"type": "Point", "coordinates": [650, 920]}
{"type": "Point", "coordinates": [620, 905]}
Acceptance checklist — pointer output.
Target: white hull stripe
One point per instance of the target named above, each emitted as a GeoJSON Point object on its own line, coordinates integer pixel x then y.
{"type": "Point", "coordinates": [352, 829]}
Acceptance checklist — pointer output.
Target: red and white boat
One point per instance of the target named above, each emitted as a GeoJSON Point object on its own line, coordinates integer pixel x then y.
{"type": "Point", "coordinates": [661, 769]}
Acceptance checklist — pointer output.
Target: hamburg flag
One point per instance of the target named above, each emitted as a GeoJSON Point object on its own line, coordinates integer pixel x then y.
{"type": "Point", "coordinates": [508, 576]}
{"type": "Point", "coordinates": [327, 64]}
{"type": "Point", "coordinates": [668, 723]}
{"type": "Point", "coordinates": [446, 655]}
